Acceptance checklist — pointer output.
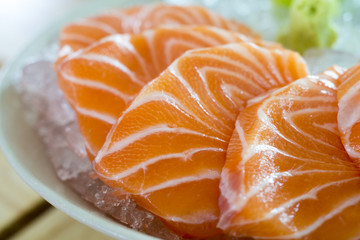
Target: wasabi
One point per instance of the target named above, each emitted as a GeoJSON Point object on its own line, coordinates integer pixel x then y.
{"type": "Point", "coordinates": [282, 2]}
{"type": "Point", "coordinates": [310, 25]}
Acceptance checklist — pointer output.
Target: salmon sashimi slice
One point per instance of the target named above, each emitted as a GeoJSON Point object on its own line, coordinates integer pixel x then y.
{"type": "Point", "coordinates": [134, 20]}
{"type": "Point", "coordinates": [287, 174]}
{"type": "Point", "coordinates": [169, 146]}
{"type": "Point", "coordinates": [349, 111]}
{"type": "Point", "coordinates": [102, 80]}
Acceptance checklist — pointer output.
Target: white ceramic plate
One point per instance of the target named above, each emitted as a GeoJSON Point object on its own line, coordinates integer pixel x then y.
{"type": "Point", "coordinates": [24, 149]}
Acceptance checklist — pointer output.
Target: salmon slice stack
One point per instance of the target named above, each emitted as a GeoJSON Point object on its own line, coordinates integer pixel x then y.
{"type": "Point", "coordinates": [169, 146]}
{"type": "Point", "coordinates": [349, 111]}
{"type": "Point", "coordinates": [102, 80]}
{"type": "Point", "coordinates": [134, 20]}
{"type": "Point", "coordinates": [287, 175]}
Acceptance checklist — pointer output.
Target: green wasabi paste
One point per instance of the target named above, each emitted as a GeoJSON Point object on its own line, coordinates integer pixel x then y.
{"type": "Point", "coordinates": [282, 2]}
{"type": "Point", "coordinates": [309, 25]}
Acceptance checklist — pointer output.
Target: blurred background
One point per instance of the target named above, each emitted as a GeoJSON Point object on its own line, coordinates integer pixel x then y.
{"type": "Point", "coordinates": [21, 20]}
{"type": "Point", "coordinates": [23, 213]}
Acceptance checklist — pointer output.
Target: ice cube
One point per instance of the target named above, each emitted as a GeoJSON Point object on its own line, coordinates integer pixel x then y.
{"type": "Point", "coordinates": [37, 76]}
{"type": "Point", "coordinates": [74, 139]}
{"type": "Point", "coordinates": [42, 95]}
{"type": "Point", "coordinates": [58, 111]}
{"type": "Point", "coordinates": [118, 204]}
{"type": "Point", "coordinates": [54, 119]}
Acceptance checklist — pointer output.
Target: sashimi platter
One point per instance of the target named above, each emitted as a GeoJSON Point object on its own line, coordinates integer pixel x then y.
{"type": "Point", "coordinates": [201, 119]}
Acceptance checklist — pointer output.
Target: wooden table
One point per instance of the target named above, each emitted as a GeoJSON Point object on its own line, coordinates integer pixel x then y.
{"type": "Point", "coordinates": [25, 215]}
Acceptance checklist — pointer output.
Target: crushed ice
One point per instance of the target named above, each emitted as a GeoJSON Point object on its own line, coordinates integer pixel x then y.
{"type": "Point", "coordinates": [53, 118]}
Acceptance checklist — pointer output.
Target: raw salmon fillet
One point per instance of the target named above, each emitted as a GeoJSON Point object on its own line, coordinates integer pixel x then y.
{"type": "Point", "coordinates": [136, 19]}
{"type": "Point", "coordinates": [349, 111]}
{"type": "Point", "coordinates": [169, 146]}
{"type": "Point", "coordinates": [287, 175]}
{"type": "Point", "coordinates": [102, 80]}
